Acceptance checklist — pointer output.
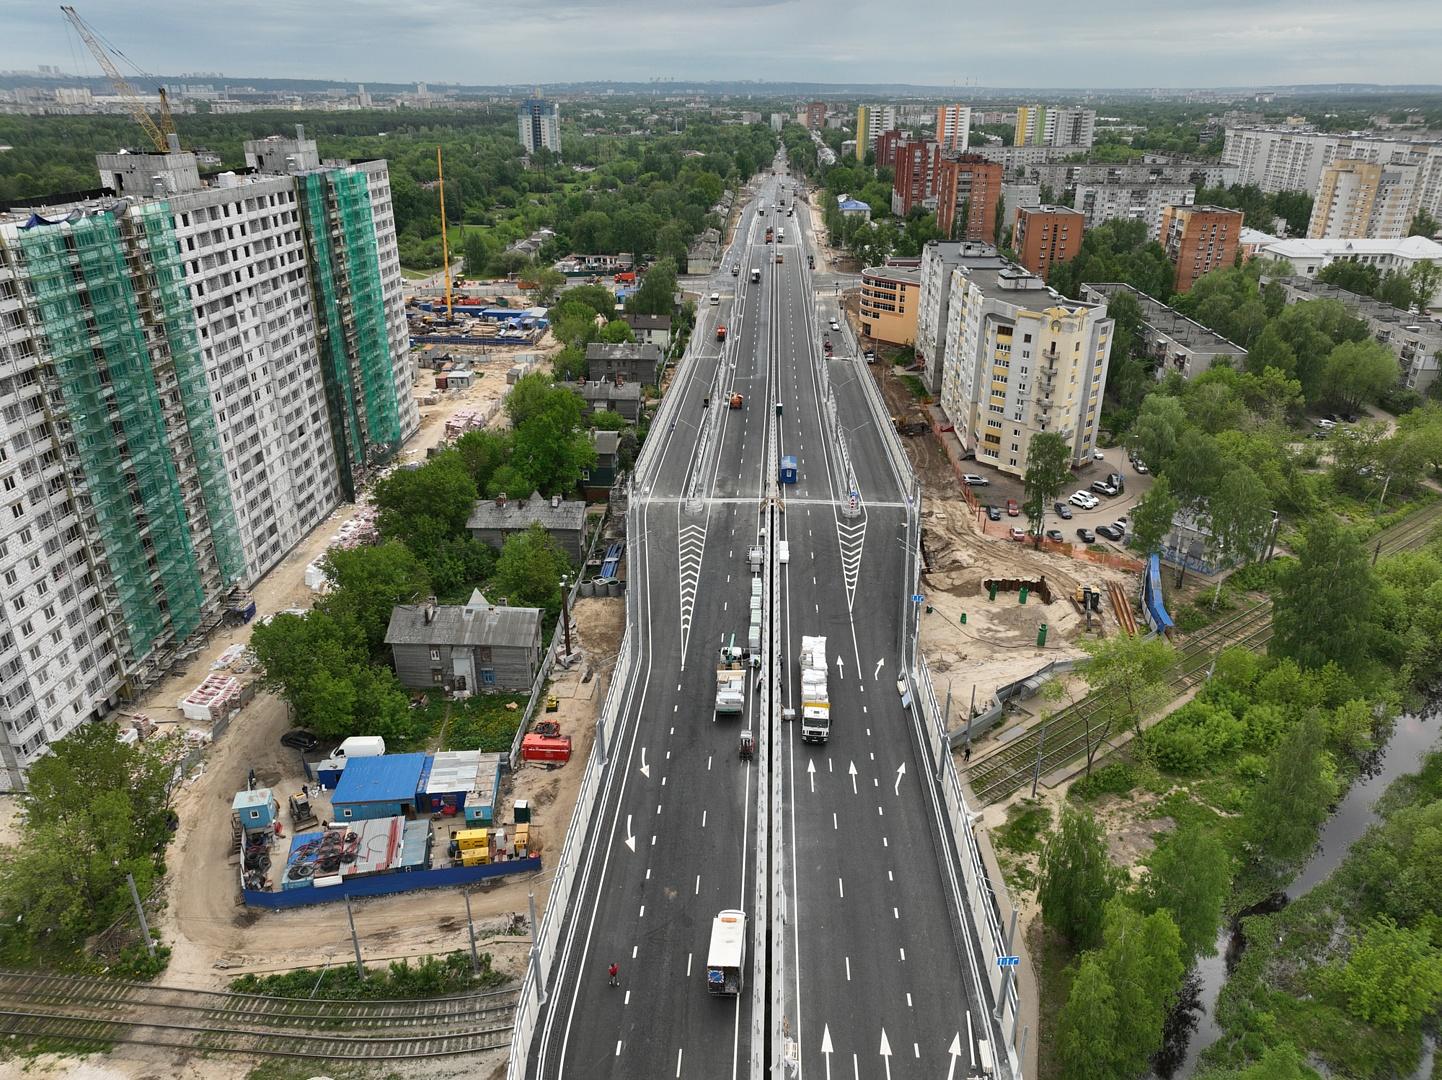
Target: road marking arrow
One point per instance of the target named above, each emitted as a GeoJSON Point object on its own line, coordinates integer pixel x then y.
{"type": "Point", "coordinates": [852, 771]}
{"type": "Point", "coordinates": [645, 769]}
{"type": "Point", "coordinates": [826, 1047]}
{"type": "Point", "coordinates": [886, 1053]}
{"type": "Point", "coordinates": [630, 836]}
{"type": "Point", "coordinates": [955, 1051]}
{"type": "Point", "coordinates": [879, 665]}
{"type": "Point", "coordinates": [840, 671]}
{"type": "Point", "coordinates": [900, 772]}
{"type": "Point", "coordinates": [811, 775]}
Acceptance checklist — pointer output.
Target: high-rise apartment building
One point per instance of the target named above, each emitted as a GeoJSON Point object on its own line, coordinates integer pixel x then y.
{"type": "Point", "coordinates": [1038, 125]}
{"type": "Point", "coordinates": [871, 121]}
{"type": "Point", "coordinates": [1103, 202]}
{"type": "Point", "coordinates": [1361, 200]}
{"type": "Point", "coordinates": [968, 191]}
{"type": "Point", "coordinates": [538, 123]}
{"type": "Point", "coordinates": [1198, 239]}
{"type": "Point", "coordinates": [914, 182]}
{"type": "Point", "coordinates": [816, 115]}
{"type": "Point", "coordinates": [887, 146]}
{"type": "Point", "coordinates": [193, 373]}
{"type": "Point", "coordinates": [938, 260]}
{"type": "Point", "coordinates": [1018, 360]}
{"type": "Point", "coordinates": [1045, 235]}
{"type": "Point", "coordinates": [953, 127]}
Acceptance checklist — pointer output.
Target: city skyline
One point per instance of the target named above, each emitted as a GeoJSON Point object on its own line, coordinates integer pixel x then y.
{"type": "Point", "coordinates": [1227, 44]}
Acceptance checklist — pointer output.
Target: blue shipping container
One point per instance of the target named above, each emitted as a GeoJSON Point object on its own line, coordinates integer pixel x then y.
{"type": "Point", "coordinates": [788, 469]}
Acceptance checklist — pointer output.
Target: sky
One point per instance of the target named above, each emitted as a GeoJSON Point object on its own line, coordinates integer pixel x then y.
{"type": "Point", "coordinates": [1100, 43]}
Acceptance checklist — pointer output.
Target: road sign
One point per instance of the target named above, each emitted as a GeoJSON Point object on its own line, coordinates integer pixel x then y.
{"type": "Point", "coordinates": [1008, 961]}
{"type": "Point", "coordinates": [917, 598]}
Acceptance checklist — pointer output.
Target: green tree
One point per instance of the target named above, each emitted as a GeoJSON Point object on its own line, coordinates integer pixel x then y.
{"type": "Point", "coordinates": [1282, 1062]}
{"type": "Point", "coordinates": [1127, 679]}
{"type": "Point", "coordinates": [1158, 430]}
{"type": "Point", "coordinates": [419, 506]}
{"type": "Point", "coordinates": [617, 332]}
{"type": "Point", "coordinates": [1357, 373]}
{"type": "Point", "coordinates": [1238, 519]}
{"type": "Point", "coordinates": [657, 294]}
{"type": "Point", "coordinates": [548, 284]}
{"type": "Point", "coordinates": [1292, 801]}
{"type": "Point", "coordinates": [1424, 224]}
{"type": "Point", "coordinates": [1087, 1026]}
{"type": "Point", "coordinates": [1322, 605]}
{"type": "Point", "coordinates": [1142, 956]}
{"type": "Point", "coordinates": [1393, 978]}
{"type": "Point", "coordinates": [1152, 518]}
{"type": "Point", "coordinates": [367, 582]}
{"type": "Point", "coordinates": [1188, 876]}
{"type": "Point", "coordinates": [1048, 468]}
{"type": "Point", "coordinates": [1077, 879]}
{"type": "Point", "coordinates": [529, 571]}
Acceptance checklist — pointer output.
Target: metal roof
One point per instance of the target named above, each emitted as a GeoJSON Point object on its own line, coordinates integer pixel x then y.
{"type": "Point", "coordinates": [522, 514]}
{"type": "Point", "coordinates": [477, 622]}
{"type": "Point", "coordinates": [389, 778]}
{"type": "Point", "coordinates": [453, 770]}
{"type": "Point", "coordinates": [606, 442]}
{"type": "Point", "coordinates": [628, 350]}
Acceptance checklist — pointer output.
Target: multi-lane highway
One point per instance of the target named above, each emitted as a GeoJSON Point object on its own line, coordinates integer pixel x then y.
{"type": "Point", "coordinates": [860, 962]}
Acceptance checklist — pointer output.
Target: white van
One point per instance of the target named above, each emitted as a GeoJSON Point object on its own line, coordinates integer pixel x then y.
{"type": "Point", "coordinates": [360, 746]}
{"type": "Point", "coordinates": [715, 298]}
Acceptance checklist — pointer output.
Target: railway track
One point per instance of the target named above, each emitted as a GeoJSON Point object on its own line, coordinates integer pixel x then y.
{"type": "Point", "coordinates": [999, 774]}
{"type": "Point", "coordinates": [98, 1010]}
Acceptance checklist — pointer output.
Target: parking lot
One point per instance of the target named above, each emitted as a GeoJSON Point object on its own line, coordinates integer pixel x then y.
{"type": "Point", "coordinates": [1002, 486]}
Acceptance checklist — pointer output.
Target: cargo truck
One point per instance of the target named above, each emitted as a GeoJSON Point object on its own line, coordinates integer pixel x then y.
{"type": "Point", "coordinates": [815, 704]}
{"type": "Point", "coordinates": [730, 680]}
{"type": "Point", "coordinates": [726, 958]}
{"type": "Point", "coordinates": [756, 273]}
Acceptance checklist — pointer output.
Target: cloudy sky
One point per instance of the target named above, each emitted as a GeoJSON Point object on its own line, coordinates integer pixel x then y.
{"type": "Point", "coordinates": [1101, 43]}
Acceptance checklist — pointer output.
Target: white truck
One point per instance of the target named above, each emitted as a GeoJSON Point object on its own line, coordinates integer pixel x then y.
{"type": "Point", "coordinates": [726, 958]}
{"type": "Point", "coordinates": [756, 273]}
{"type": "Point", "coordinates": [730, 680]}
{"type": "Point", "coordinates": [815, 705]}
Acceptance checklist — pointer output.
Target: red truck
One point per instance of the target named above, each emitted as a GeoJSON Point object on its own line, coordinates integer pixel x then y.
{"type": "Point", "coordinates": [720, 333]}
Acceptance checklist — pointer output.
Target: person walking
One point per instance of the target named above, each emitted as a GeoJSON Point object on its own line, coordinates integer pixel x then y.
{"type": "Point", "coordinates": [615, 972]}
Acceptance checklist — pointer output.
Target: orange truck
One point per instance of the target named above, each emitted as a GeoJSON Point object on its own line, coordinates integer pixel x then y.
{"type": "Point", "coordinates": [720, 333]}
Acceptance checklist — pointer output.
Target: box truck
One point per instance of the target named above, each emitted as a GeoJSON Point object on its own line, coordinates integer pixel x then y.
{"type": "Point", "coordinates": [815, 703]}
{"type": "Point", "coordinates": [726, 958]}
{"type": "Point", "coordinates": [730, 680]}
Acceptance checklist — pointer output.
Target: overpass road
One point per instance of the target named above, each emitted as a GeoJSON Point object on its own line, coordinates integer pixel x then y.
{"type": "Point", "coordinates": [861, 960]}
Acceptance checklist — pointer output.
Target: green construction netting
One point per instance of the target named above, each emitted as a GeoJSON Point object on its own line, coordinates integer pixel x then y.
{"type": "Point", "coordinates": [335, 367]}
{"type": "Point", "coordinates": [91, 320]}
{"type": "Point", "coordinates": [178, 322]}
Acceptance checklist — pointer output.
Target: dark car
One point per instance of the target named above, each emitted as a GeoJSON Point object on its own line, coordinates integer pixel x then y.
{"type": "Point", "coordinates": [299, 739]}
{"type": "Point", "coordinates": [1063, 511]}
{"type": "Point", "coordinates": [1086, 536]}
{"type": "Point", "coordinates": [993, 512]}
{"type": "Point", "coordinates": [1054, 534]}
{"type": "Point", "coordinates": [1111, 532]}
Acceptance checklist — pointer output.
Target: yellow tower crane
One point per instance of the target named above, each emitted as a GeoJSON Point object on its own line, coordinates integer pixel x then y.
{"type": "Point", "coordinates": [159, 133]}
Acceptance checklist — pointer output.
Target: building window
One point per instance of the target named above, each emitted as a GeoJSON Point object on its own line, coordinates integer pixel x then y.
{"type": "Point", "coordinates": [435, 654]}
{"type": "Point", "coordinates": [437, 675]}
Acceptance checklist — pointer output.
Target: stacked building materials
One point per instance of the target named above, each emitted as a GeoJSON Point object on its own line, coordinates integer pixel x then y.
{"type": "Point", "coordinates": [213, 698]}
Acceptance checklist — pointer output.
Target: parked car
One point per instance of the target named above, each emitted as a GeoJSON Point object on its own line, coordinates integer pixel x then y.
{"type": "Point", "coordinates": [993, 513]}
{"type": "Point", "coordinates": [1097, 455]}
{"type": "Point", "coordinates": [1104, 487]}
{"type": "Point", "coordinates": [1123, 523]}
{"type": "Point", "coordinates": [1085, 500]}
{"type": "Point", "coordinates": [1054, 534]}
{"type": "Point", "coordinates": [1012, 510]}
{"type": "Point", "coordinates": [972, 480]}
{"type": "Point", "coordinates": [1017, 534]}
{"type": "Point", "coordinates": [1111, 532]}
{"type": "Point", "coordinates": [1086, 536]}
{"type": "Point", "coordinates": [299, 739]}
{"type": "Point", "coordinates": [1140, 466]}
{"type": "Point", "coordinates": [1063, 511]}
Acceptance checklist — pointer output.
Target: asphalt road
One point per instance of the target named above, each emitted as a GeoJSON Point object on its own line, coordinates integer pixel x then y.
{"type": "Point", "coordinates": [878, 968]}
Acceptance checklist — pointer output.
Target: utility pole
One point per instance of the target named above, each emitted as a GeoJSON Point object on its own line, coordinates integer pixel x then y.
{"type": "Point", "coordinates": [566, 614]}
{"type": "Point", "coordinates": [536, 950]}
{"type": "Point", "coordinates": [471, 933]}
{"type": "Point", "coordinates": [360, 968]}
{"type": "Point", "coordinates": [1036, 769]}
{"type": "Point", "coordinates": [140, 914]}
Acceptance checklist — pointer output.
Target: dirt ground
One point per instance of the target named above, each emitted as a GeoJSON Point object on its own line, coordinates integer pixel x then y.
{"type": "Point", "coordinates": [157, 1063]}
{"type": "Point", "coordinates": [214, 938]}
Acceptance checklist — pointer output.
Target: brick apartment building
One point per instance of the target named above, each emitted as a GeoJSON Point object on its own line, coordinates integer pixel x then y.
{"type": "Point", "coordinates": [968, 189]}
{"type": "Point", "coordinates": [1198, 239]}
{"type": "Point", "coordinates": [915, 181]}
{"type": "Point", "coordinates": [887, 146]}
{"type": "Point", "coordinates": [1046, 235]}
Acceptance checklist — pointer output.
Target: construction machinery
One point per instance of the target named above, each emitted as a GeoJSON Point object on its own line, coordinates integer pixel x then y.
{"type": "Point", "coordinates": [162, 134]}
{"type": "Point", "coordinates": [913, 423]}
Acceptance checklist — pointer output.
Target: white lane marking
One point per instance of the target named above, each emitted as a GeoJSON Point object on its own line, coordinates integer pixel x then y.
{"type": "Point", "coordinates": [900, 772]}
{"type": "Point", "coordinates": [698, 884]}
{"type": "Point", "coordinates": [643, 912]}
{"type": "Point", "coordinates": [691, 956]}
{"type": "Point", "coordinates": [848, 969]}
{"type": "Point", "coordinates": [703, 819]}
{"type": "Point", "coordinates": [678, 1061]}
{"type": "Point", "coordinates": [630, 840]}
{"type": "Point", "coordinates": [841, 888]}
{"type": "Point", "coordinates": [852, 771]}
{"type": "Point", "coordinates": [618, 1047]}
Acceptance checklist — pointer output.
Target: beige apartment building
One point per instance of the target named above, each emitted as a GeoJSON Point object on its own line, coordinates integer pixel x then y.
{"type": "Point", "coordinates": [1364, 200]}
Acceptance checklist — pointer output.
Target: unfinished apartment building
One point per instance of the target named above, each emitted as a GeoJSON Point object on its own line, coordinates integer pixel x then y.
{"type": "Point", "coordinates": [194, 371]}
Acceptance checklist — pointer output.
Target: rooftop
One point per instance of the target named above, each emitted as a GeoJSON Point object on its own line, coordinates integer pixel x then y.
{"type": "Point", "coordinates": [604, 390]}
{"type": "Point", "coordinates": [1366, 306]}
{"type": "Point", "coordinates": [1168, 321]}
{"type": "Point", "coordinates": [906, 274]}
{"type": "Point", "coordinates": [1047, 208]}
{"type": "Point", "coordinates": [606, 442]}
{"type": "Point", "coordinates": [477, 622]}
{"type": "Point", "coordinates": [387, 778]}
{"type": "Point", "coordinates": [553, 513]}
{"type": "Point", "coordinates": [627, 350]}
{"type": "Point", "coordinates": [1412, 247]}
{"type": "Point", "coordinates": [647, 322]}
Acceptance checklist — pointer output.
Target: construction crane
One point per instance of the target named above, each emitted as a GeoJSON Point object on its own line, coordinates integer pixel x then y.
{"type": "Point", "coordinates": [159, 133]}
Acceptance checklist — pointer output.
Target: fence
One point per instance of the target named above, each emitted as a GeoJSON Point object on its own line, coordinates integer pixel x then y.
{"type": "Point", "coordinates": [1022, 688]}
{"type": "Point", "coordinates": [386, 884]}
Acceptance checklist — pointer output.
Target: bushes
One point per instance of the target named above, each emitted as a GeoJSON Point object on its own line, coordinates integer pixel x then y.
{"type": "Point", "coordinates": [1114, 778]}
{"type": "Point", "coordinates": [432, 976]}
{"type": "Point", "coordinates": [1190, 737]}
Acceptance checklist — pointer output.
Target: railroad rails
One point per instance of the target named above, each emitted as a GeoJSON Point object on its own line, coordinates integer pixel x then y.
{"type": "Point", "coordinates": [998, 774]}
{"type": "Point", "coordinates": [104, 1011]}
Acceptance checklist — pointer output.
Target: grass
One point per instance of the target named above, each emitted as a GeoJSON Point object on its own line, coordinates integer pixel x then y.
{"type": "Point", "coordinates": [916, 386]}
{"type": "Point", "coordinates": [432, 976]}
{"type": "Point", "coordinates": [1019, 842]}
{"type": "Point", "coordinates": [484, 722]}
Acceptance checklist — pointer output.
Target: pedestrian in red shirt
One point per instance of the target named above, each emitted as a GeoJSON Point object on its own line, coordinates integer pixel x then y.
{"type": "Point", "coordinates": [615, 973]}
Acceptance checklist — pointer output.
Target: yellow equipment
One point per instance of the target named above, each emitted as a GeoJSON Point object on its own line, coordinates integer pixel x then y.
{"type": "Point", "coordinates": [159, 133]}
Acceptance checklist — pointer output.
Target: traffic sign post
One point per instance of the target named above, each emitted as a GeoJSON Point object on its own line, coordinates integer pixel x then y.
{"type": "Point", "coordinates": [1008, 961]}
{"type": "Point", "coordinates": [917, 598]}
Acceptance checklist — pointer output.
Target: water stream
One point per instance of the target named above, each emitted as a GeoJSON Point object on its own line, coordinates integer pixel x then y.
{"type": "Point", "coordinates": [1192, 1028]}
